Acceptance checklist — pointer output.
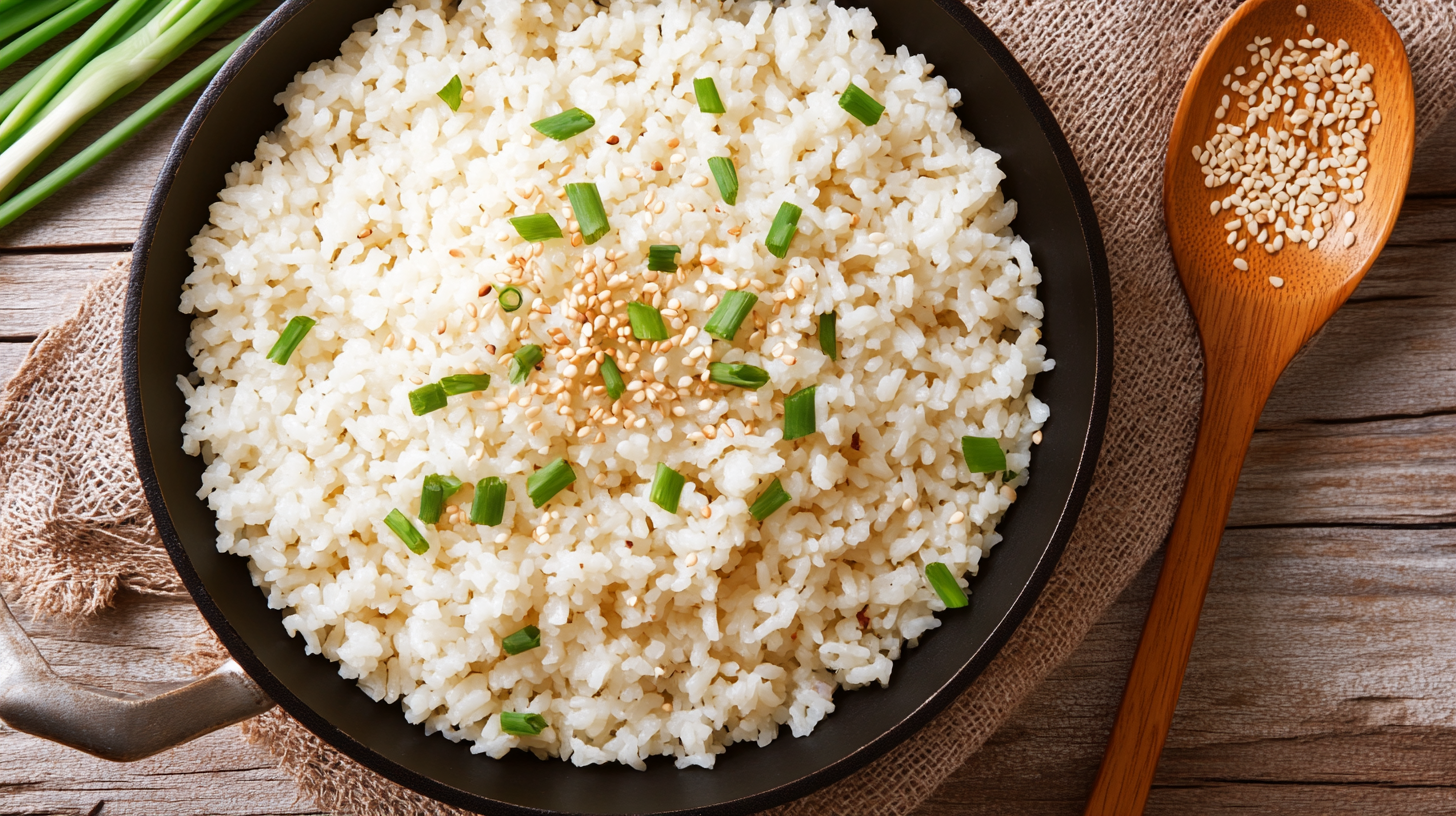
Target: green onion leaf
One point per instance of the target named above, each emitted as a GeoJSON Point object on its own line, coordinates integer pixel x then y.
{"type": "Point", "coordinates": [521, 640]}
{"type": "Point", "coordinates": [536, 228]}
{"type": "Point", "coordinates": [451, 93]}
{"type": "Point", "coordinates": [646, 321]}
{"type": "Point", "coordinates": [828, 341]}
{"type": "Point", "coordinates": [741, 375]}
{"type": "Point", "coordinates": [799, 417]}
{"type": "Point", "coordinates": [612, 376]}
{"type": "Point", "coordinates": [770, 500]}
{"type": "Point", "coordinates": [1008, 477]}
{"type": "Point", "coordinates": [548, 481]}
{"type": "Point", "coordinates": [945, 585]}
{"type": "Point", "coordinates": [663, 257]}
{"type": "Point", "coordinates": [785, 224]}
{"type": "Point", "coordinates": [522, 725]}
{"type": "Point", "coordinates": [566, 124]}
{"type": "Point", "coordinates": [727, 177]}
{"type": "Point", "coordinates": [983, 455]}
{"type": "Point", "coordinates": [861, 105]}
{"type": "Point", "coordinates": [292, 335]}
{"type": "Point", "coordinates": [707, 93]}
{"type": "Point", "coordinates": [427, 398]}
{"type": "Point", "coordinates": [667, 488]}
{"type": "Point", "coordinates": [489, 505]}
{"type": "Point", "coordinates": [730, 314]}
{"type": "Point", "coordinates": [586, 205]}
{"type": "Point", "coordinates": [510, 298]}
{"type": "Point", "coordinates": [525, 359]}
{"type": "Point", "coordinates": [464, 383]}
{"type": "Point", "coordinates": [405, 529]}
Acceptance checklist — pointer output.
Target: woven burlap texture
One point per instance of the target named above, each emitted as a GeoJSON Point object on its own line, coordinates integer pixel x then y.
{"type": "Point", "coordinates": [74, 528]}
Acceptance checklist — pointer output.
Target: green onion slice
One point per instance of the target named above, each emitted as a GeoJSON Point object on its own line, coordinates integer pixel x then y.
{"type": "Point", "coordinates": [428, 398]}
{"type": "Point", "coordinates": [522, 725]}
{"type": "Point", "coordinates": [727, 177]}
{"type": "Point", "coordinates": [511, 298]}
{"type": "Point", "coordinates": [451, 93]}
{"type": "Point", "coordinates": [799, 417]}
{"type": "Point", "coordinates": [646, 321]}
{"type": "Point", "coordinates": [536, 228]}
{"type": "Point", "coordinates": [489, 505]}
{"type": "Point", "coordinates": [667, 488]}
{"type": "Point", "coordinates": [586, 205]}
{"type": "Point", "coordinates": [1008, 477]}
{"type": "Point", "coordinates": [564, 125]}
{"type": "Point", "coordinates": [741, 375]}
{"type": "Point", "coordinates": [292, 335]}
{"type": "Point", "coordinates": [707, 93]}
{"type": "Point", "coordinates": [521, 640]}
{"type": "Point", "coordinates": [663, 257]}
{"type": "Point", "coordinates": [405, 529]}
{"type": "Point", "coordinates": [612, 376]}
{"type": "Point", "coordinates": [548, 481]}
{"type": "Point", "coordinates": [730, 314]}
{"type": "Point", "coordinates": [770, 500]}
{"type": "Point", "coordinates": [464, 383]}
{"type": "Point", "coordinates": [785, 224]}
{"type": "Point", "coordinates": [433, 494]}
{"type": "Point", "coordinates": [861, 105]}
{"type": "Point", "coordinates": [983, 454]}
{"type": "Point", "coordinates": [828, 341]}
{"type": "Point", "coordinates": [945, 585]}
{"type": "Point", "coordinates": [523, 361]}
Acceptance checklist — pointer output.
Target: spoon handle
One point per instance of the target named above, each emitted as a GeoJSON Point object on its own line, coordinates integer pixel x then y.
{"type": "Point", "coordinates": [1231, 405]}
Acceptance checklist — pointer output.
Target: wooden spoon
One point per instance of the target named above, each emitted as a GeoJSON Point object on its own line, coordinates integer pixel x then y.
{"type": "Point", "coordinates": [1250, 331]}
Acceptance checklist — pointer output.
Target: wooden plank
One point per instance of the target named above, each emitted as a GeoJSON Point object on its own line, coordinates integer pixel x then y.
{"type": "Point", "coordinates": [1433, 170]}
{"type": "Point", "coordinates": [10, 356]}
{"type": "Point", "coordinates": [41, 289]}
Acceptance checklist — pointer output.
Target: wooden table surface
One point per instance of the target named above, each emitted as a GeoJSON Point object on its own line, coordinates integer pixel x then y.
{"type": "Point", "coordinates": [1324, 677]}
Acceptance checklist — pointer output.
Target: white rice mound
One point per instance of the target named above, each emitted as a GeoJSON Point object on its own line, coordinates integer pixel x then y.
{"type": "Point", "coordinates": [381, 213]}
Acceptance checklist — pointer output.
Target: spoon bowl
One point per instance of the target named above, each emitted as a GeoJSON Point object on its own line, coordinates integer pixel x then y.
{"type": "Point", "coordinates": [1252, 321]}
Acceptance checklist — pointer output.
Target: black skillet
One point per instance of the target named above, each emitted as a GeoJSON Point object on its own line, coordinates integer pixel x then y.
{"type": "Point", "coordinates": [1005, 113]}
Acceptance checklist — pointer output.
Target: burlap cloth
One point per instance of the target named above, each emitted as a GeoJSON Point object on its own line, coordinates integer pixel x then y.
{"type": "Point", "coordinates": [74, 528]}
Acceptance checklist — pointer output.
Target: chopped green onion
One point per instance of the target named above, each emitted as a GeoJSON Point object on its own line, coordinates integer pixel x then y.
{"type": "Point", "coordinates": [564, 125]}
{"type": "Point", "coordinates": [770, 500]}
{"type": "Point", "coordinates": [433, 494]}
{"type": "Point", "coordinates": [785, 224]}
{"type": "Point", "coordinates": [663, 257]}
{"type": "Point", "coordinates": [510, 299]}
{"type": "Point", "coordinates": [727, 177]}
{"type": "Point", "coordinates": [1008, 477]}
{"type": "Point", "coordinates": [707, 93]}
{"type": "Point", "coordinates": [828, 341]}
{"type": "Point", "coordinates": [586, 205]}
{"type": "Point", "coordinates": [548, 481]}
{"type": "Point", "coordinates": [945, 585]}
{"type": "Point", "coordinates": [612, 376]}
{"type": "Point", "coordinates": [730, 314]}
{"type": "Point", "coordinates": [536, 228]}
{"type": "Point", "coordinates": [525, 359]}
{"type": "Point", "coordinates": [451, 93]}
{"type": "Point", "coordinates": [405, 529]}
{"type": "Point", "coordinates": [861, 105]}
{"type": "Point", "coordinates": [521, 640]}
{"type": "Point", "coordinates": [292, 335]}
{"type": "Point", "coordinates": [667, 488]}
{"type": "Point", "coordinates": [428, 398]}
{"type": "Point", "coordinates": [489, 505]}
{"type": "Point", "coordinates": [464, 383]}
{"type": "Point", "coordinates": [646, 321]}
{"type": "Point", "coordinates": [522, 725]}
{"type": "Point", "coordinates": [799, 417]}
{"type": "Point", "coordinates": [742, 375]}
{"type": "Point", "coordinates": [983, 454]}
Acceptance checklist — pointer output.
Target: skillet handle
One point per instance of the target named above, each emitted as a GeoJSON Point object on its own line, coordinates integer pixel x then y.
{"type": "Point", "coordinates": [121, 728]}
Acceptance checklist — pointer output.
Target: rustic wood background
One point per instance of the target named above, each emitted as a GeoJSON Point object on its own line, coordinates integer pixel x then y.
{"type": "Point", "coordinates": [1324, 677]}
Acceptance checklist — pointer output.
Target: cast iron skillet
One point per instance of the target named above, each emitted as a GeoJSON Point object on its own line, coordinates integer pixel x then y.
{"type": "Point", "coordinates": [1001, 108]}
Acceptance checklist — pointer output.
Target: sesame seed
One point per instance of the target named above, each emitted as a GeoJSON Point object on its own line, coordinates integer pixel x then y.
{"type": "Point", "coordinates": [692, 559]}
{"type": "Point", "coordinates": [365, 233]}
{"type": "Point", "coordinates": [611, 140]}
{"type": "Point", "coordinates": [657, 167]}
{"type": "Point", "coordinates": [698, 181]}
{"type": "Point", "coordinates": [389, 341]}
{"type": "Point", "coordinates": [667, 707]}
{"type": "Point", "coordinates": [1276, 282]}
{"type": "Point", "coordinates": [1241, 264]}
{"type": "Point", "coordinates": [908, 504]}
{"type": "Point", "coordinates": [957, 517]}
{"type": "Point", "coordinates": [677, 158]}
{"type": "Point", "coordinates": [1036, 438]}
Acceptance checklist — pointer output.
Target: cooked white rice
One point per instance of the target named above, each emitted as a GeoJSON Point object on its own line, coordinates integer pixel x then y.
{"type": "Point", "coordinates": [379, 212]}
